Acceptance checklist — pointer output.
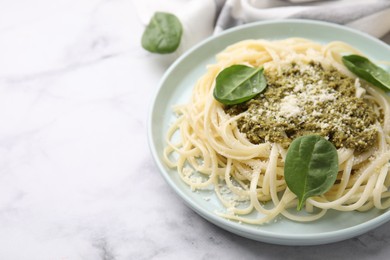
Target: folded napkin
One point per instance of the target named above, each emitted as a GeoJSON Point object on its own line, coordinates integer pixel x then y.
{"type": "Point", "coordinates": [202, 18]}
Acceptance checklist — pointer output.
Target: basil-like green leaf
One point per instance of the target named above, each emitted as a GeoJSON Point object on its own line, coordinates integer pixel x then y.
{"type": "Point", "coordinates": [162, 34]}
{"type": "Point", "coordinates": [311, 167]}
{"type": "Point", "coordinates": [365, 69]}
{"type": "Point", "coordinates": [239, 83]}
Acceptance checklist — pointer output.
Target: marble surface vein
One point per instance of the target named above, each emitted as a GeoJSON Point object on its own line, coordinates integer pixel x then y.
{"type": "Point", "coordinates": [77, 180]}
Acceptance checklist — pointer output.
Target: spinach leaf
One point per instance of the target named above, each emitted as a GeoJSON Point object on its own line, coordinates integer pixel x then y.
{"type": "Point", "coordinates": [311, 167]}
{"type": "Point", "coordinates": [239, 83]}
{"type": "Point", "coordinates": [162, 34]}
{"type": "Point", "coordinates": [365, 69]}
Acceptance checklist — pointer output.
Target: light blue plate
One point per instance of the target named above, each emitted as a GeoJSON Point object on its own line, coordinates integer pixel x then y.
{"type": "Point", "coordinates": [175, 88]}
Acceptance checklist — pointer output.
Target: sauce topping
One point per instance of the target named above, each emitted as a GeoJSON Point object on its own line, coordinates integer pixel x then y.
{"type": "Point", "coordinates": [305, 99]}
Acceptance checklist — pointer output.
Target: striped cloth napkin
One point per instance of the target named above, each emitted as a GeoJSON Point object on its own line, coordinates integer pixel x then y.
{"type": "Point", "coordinates": [202, 18]}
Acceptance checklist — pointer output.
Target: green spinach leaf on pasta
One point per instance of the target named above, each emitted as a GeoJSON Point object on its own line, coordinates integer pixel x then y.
{"type": "Point", "coordinates": [239, 83]}
{"type": "Point", "coordinates": [365, 69]}
{"type": "Point", "coordinates": [311, 167]}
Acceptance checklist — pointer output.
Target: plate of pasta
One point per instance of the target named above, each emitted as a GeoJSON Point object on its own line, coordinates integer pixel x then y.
{"type": "Point", "coordinates": [279, 131]}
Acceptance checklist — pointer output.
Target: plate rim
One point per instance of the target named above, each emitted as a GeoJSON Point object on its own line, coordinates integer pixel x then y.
{"type": "Point", "coordinates": [234, 227]}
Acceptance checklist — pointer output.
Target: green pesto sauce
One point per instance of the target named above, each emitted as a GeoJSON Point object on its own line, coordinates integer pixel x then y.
{"type": "Point", "coordinates": [308, 99]}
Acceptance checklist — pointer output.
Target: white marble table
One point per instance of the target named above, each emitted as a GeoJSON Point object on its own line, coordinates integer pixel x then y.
{"type": "Point", "coordinates": [77, 180]}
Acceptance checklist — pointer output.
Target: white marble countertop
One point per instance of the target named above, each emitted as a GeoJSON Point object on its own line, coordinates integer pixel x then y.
{"type": "Point", "coordinates": [77, 180]}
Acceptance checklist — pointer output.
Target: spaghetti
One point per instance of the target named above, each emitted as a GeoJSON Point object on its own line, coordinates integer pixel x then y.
{"type": "Point", "coordinates": [210, 149]}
